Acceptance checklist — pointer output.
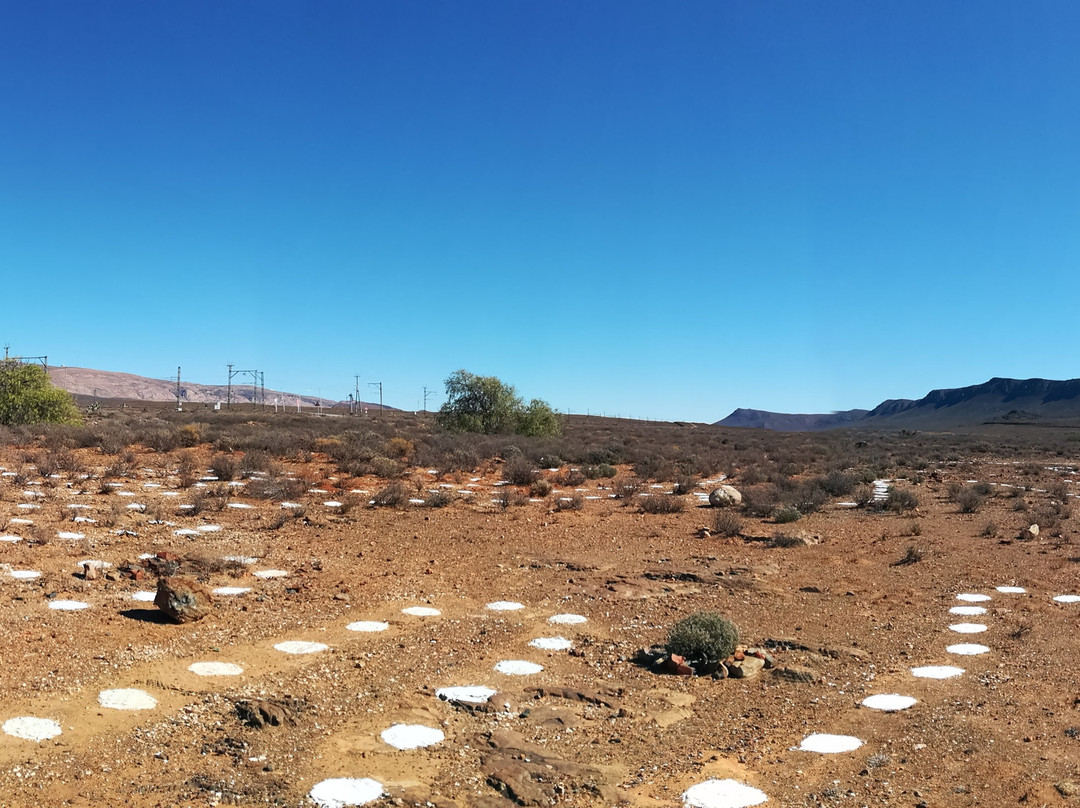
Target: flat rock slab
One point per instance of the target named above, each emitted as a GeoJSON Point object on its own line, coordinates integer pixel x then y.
{"type": "Point", "coordinates": [530, 775]}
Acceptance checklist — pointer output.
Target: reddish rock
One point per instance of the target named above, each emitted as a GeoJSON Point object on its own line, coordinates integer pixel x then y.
{"type": "Point", "coordinates": [185, 600]}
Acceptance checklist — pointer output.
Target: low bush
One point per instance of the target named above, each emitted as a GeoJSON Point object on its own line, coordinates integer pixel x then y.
{"type": "Point", "coordinates": [571, 503]}
{"type": "Point", "coordinates": [969, 500]}
{"type": "Point", "coordinates": [224, 467]}
{"type": "Point", "coordinates": [727, 523]}
{"type": "Point", "coordinates": [519, 471]}
{"type": "Point", "coordinates": [705, 635]}
{"type": "Point", "coordinates": [540, 488]}
{"type": "Point", "coordinates": [901, 500]}
{"type": "Point", "coordinates": [786, 514]}
{"type": "Point", "coordinates": [663, 503]}
{"type": "Point", "coordinates": [601, 471]}
{"type": "Point", "coordinates": [393, 495]}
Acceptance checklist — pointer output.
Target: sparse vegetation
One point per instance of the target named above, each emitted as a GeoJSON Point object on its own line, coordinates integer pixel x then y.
{"type": "Point", "coordinates": [27, 396]}
{"type": "Point", "coordinates": [703, 635]}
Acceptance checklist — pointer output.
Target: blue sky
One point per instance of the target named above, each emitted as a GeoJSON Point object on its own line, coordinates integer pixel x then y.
{"type": "Point", "coordinates": [662, 210]}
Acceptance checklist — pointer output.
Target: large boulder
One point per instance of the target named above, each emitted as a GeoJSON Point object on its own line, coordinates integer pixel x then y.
{"type": "Point", "coordinates": [725, 496]}
{"type": "Point", "coordinates": [185, 600]}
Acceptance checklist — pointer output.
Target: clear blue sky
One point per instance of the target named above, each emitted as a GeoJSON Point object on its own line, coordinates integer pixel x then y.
{"type": "Point", "coordinates": [662, 210]}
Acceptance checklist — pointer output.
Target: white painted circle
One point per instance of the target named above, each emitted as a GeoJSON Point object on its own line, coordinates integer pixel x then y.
{"type": "Point", "coordinates": [340, 792]}
{"type": "Point", "coordinates": [239, 559]}
{"type": "Point", "coordinates": [967, 628]}
{"type": "Point", "coordinates": [567, 619]}
{"type": "Point", "coordinates": [1012, 590]}
{"type": "Point", "coordinates": [1066, 598]}
{"type": "Point", "coordinates": [332, 503]}
{"type": "Point", "coordinates": [888, 702]}
{"type": "Point", "coordinates": [826, 744]}
{"type": "Point", "coordinates": [368, 626]}
{"type": "Point", "coordinates": [411, 736]}
{"type": "Point", "coordinates": [937, 671]}
{"type": "Point", "coordinates": [300, 647]}
{"type": "Point", "coordinates": [969, 597]}
{"type": "Point", "coordinates": [68, 605]}
{"type": "Point", "coordinates": [967, 649]}
{"type": "Point", "coordinates": [518, 667]}
{"type": "Point", "coordinates": [967, 611]}
{"type": "Point", "coordinates": [10, 539]}
{"type": "Point", "coordinates": [240, 506]}
{"type": "Point", "coordinates": [421, 611]}
{"type": "Point", "coordinates": [144, 596]}
{"type": "Point", "coordinates": [30, 728]}
{"type": "Point", "coordinates": [470, 694]}
{"type": "Point", "coordinates": [268, 574]}
{"type": "Point", "coordinates": [552, 643]}
{"type": "Point", "coordinates": [505, 606]}
{"type": "Point", "coordinates": [722, 794]}
{"type": "Point", "coordinates": [186, 531]}
{"type": "Point", "coordinates": [70, 535]}
{"type": "Point", "coordinates": [25, 575]}
{"type": "Point", "coordinates": [126, 698]}
{"type": "Point", "coordinates": [291, 505]}
{"type": "Point", "coordinates": [208, 528]}
{"type": "Point", "coordinates": [215, 669]}
{"type": "Point", "coordinates": [232, 590]}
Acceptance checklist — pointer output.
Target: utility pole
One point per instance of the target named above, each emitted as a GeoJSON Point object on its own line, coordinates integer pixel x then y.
{"type": "Point", "coordinates": [379, 385]}
{"type": "Point", "coordinates": [178, 407]}
{"type": "Point", "coordinates": [356, 393]}
{"type": "Point", "coordinates": [228, 394]}
{"type": "Point", "coordinates": [426, 394]}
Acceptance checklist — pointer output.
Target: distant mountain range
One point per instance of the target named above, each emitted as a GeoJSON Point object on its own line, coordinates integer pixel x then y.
{"type": "Point", "coordinates": [1020, 401]}
{"type": "Point", "coordinates": [105, 384]}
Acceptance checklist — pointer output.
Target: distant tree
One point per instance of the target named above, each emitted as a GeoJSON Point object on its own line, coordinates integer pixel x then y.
{"type": "Point", "coordinates": [27, 396]}
{"type": "Point", "coordinates": [486, 404]}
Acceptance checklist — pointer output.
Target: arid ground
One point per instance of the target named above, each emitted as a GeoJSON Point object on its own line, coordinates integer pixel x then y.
{"type": "Point", "coordinates": [842, 620]}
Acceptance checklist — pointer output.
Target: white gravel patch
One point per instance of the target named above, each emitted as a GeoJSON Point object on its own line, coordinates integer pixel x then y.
{"type": "Point", "coordinates": [340, 792]}
{"type": "Point", "coordinates": [68, 605]}
{"type": "Point", "coordinates": [1066, 598]}
{"type": "Point", "coordinates": [368, 626]}
{"type": "Point", "coordinates": [829, 744]}
{"type": "Point", "coordinates": [969, 597]}
{"type": "Point", "coordinates": [967, 628]}
{"type": "Point", "coordinates": [567, 619]}
{"type": "Point", "coordinates": [291, 505]}
{"type": "Point", "coordinates": [937, 672]}
{"type": "Point", "coordinates": [70, 535]}
{"type": "Point", "coordinates": [332, 503]}
{"type": "Point", "coordinates": [421, 611]}
{"type": "Point", "coordinates": [215, 669]}
{"type": "Point", "coordinates": [967, 649]}
{"type": "Point", "coordinates": [722, 794]}
{"type": "Point", "coordinates": [552, 643]}
{"type": "Point", "coordinates": [267, 574]}
{"type": "Point", "coordinates": [470, 694]}
{"type": "Point", "coordinates": [240, 506]}
{"type": "Point", "coordinates": [126, 698]}
{"type": "Point", "coordinates": [135, 506]}
{"type": "Point", "coordinates": [504, 606]}
{"type": "Point", "coordinates": [10, 539]}
{"type": "Point", "coordinates": [888, 702]}
{"type": "Point", "coordinates": [1012, 590]}
{"type": "Point", "coordinates": [186, 531]}
{"type": "Point", "coordinates": [411, 736]}
{"type": "Point", "coordinates": [208, 528]}
{"type": "Point", "coordinates": [28, 506]}
{"type": "Point", "coordinates": [30, 728]}
{"type": "Point", "coordinates": [238, 559]}
{"type": "Point", "coordinates": [144, 596]}
{"type": "Point", "coordinates": [967, 611]}
{"type": "Point", "coordinates": [300, 647]}
{"type": "Point", "coordinates": [25, 575]}
{"type": "Point", "coordinates": [232, 590]}
{"type": "Point", "coordinates": [518, 667]}
{"type": "Point", "coordinates": [19, 521]}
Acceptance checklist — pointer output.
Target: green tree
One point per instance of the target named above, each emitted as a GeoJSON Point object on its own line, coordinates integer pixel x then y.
{"type": "Point", "coordinates": [486, 404]}
{"type": "Point", "coordinates": [27, 396]}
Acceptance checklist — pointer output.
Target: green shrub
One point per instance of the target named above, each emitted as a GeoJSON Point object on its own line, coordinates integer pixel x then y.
{"type": "Point", "coordinates": [901, 499]}
{"type": "Point", "coordinates": [486, 404]}
{"type": "Point", "coordinates": [601, 471]}
{"type": "Point", "coordinates": [27, 396]}
{"type": "Point", "coordinates": [703, 635]}
{"type": "Point", "coordinates": [786, 514]}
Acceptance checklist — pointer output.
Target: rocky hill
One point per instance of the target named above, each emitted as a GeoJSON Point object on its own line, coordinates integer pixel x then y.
{"type": "Point", "coordinates": [1016, 401]}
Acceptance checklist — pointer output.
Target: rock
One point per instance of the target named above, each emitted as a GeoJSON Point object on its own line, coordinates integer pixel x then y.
{"type": "Point", "coordinates": [803, 676]}
{"type": "Point", "coordinates": [721, 672]}
{"type": "Point", "coordinates": [746, 668]}
{"type": "Point", "coordinates": [185, 600]}
{"type": "Point", "coordinates": [677, 665]}
{"type": "Point", "coordinates": [261, 713]}
{"type": "Point", "coordinates": [1031, 533]}
{"type": "Point", "coordinates": [1067, 788]}
{"type": "Point", "coordinates": [725, 496]}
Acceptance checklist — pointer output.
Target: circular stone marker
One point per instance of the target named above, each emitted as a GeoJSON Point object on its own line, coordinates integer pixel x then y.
{"type": "Point", "coordinates": [421, 611]}
{"type": "Point", "coordinates": [241, 506]}
{"type": "Point", "coordinates": [368, 626]}
{"type": "Point", "coordinates": [70, 535]}
{"type": "Point", "coordinates": [68, 605]}
{"type": "Point", "coordinates": [1012, 590]}
{"type": "Point", "coordinates": [552, 643]}
{"type": "Point", "coordinates": [215, 669]}
{"type": "Point", "coordinates": [967, 611]}
{"type": "Point", "coordinates": [969, 597]}
{"type": "Point", "coordinates": [232, 590]}
{"type": "Point", "coordinates": [25, 575]}
{"type": "Point", "coordinates": [967, 628]}
{"type": "Point", "coordinates": [470, 694]}
{"type": "Point", "coordinates": [888, 702]}
{"type": "Point", "coordinates": [567, 619]}
{"type": "Point", "coordinates": [32, 729]}
{"type": "Point", "coordinates": [518, 667]}
{"type": "Point", "coordinates": [126, 698]}
{"type": "Point", "coordinates": [722, 794]}
{"type": "Point", "coordinates": [1066, 598]}
{"type": "Point", "coordinates": [829, 744]}
{"type": "Point", "coordinates": [343, 791]}
{"type": "Point", "coordinates": [967, 649]}
{"type": "Point", "coordinates": [10, 539]}
{"type": "Point", "coordinates": [411, 736]}
{"type": "Point", "coordinates": [144, 596]}
{"type": "Point", "coordinates": [504, 606]}
{"type": "Point", "coordinates": [208, 528]}
{"type": "Point", "coordinates": [268, 574]}
{"type": "Point", "coordinates": [937, 672]}
{"type": "Point", "coordinates": [300, 647]}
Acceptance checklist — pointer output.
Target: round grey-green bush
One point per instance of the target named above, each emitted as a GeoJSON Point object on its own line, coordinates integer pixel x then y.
{"type": "Point", "coordinates": [703, 635]}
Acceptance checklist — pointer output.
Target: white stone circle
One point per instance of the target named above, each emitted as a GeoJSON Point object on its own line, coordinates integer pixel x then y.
{"type": "Point", "coordinates": [368, 626]}
{"type": "Point", "coordinates": [300, 647]}
{"type": "Point", "coordinates": [888, 702]}
{"type": "Point", "coordinates": [470, 694]}
{"type": "Point", "coordinates": [967, 628]}
{"type": "Point", "coordinates": [518, 667]}
{"type": "Point", "coordinates": [722, 794]}
{"type": "Point", "coordinates": [504, 606]}
{"type": "Point", "coordinates": [826, 744]}
{"type": "Point", "coordinates": [340, 792]}
{"type": "Point", "coordinates": [215, 669]}
{"type": "Point", "coordinates": [30, 728]}
{"type": "Point", "coordinates": [411, 736]}
{"type": "Point", "coordinates": [567, 619]}
{"type": "Point", "coordinates": [936, 671]}
{"type": "Point", "coordinates": [967, 649]}
{"type": "Point", "coordinates": [126, 698]}
{"type": "Point", "coordinates": [68, 605]}
{"type": "Point", "coordinates": [421, 611]}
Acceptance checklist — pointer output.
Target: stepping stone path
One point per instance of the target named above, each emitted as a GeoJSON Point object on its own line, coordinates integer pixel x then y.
{"type": "Point", "coordinates": [936, 672]}
{"type": "Point", "coordinates": [888, 702]}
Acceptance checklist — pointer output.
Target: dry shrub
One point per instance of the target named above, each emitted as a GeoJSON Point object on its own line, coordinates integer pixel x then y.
{"type": "Point", "coordinates": [727, 523]}
{"type": "Point", "coordinates": [663, 503]}
{"type": "Point", "coordinates": [394, 495]}
{"type": "Point", "coordinates": [571, 503]}
{"type": "Point", "coordinates": [540, 488]}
